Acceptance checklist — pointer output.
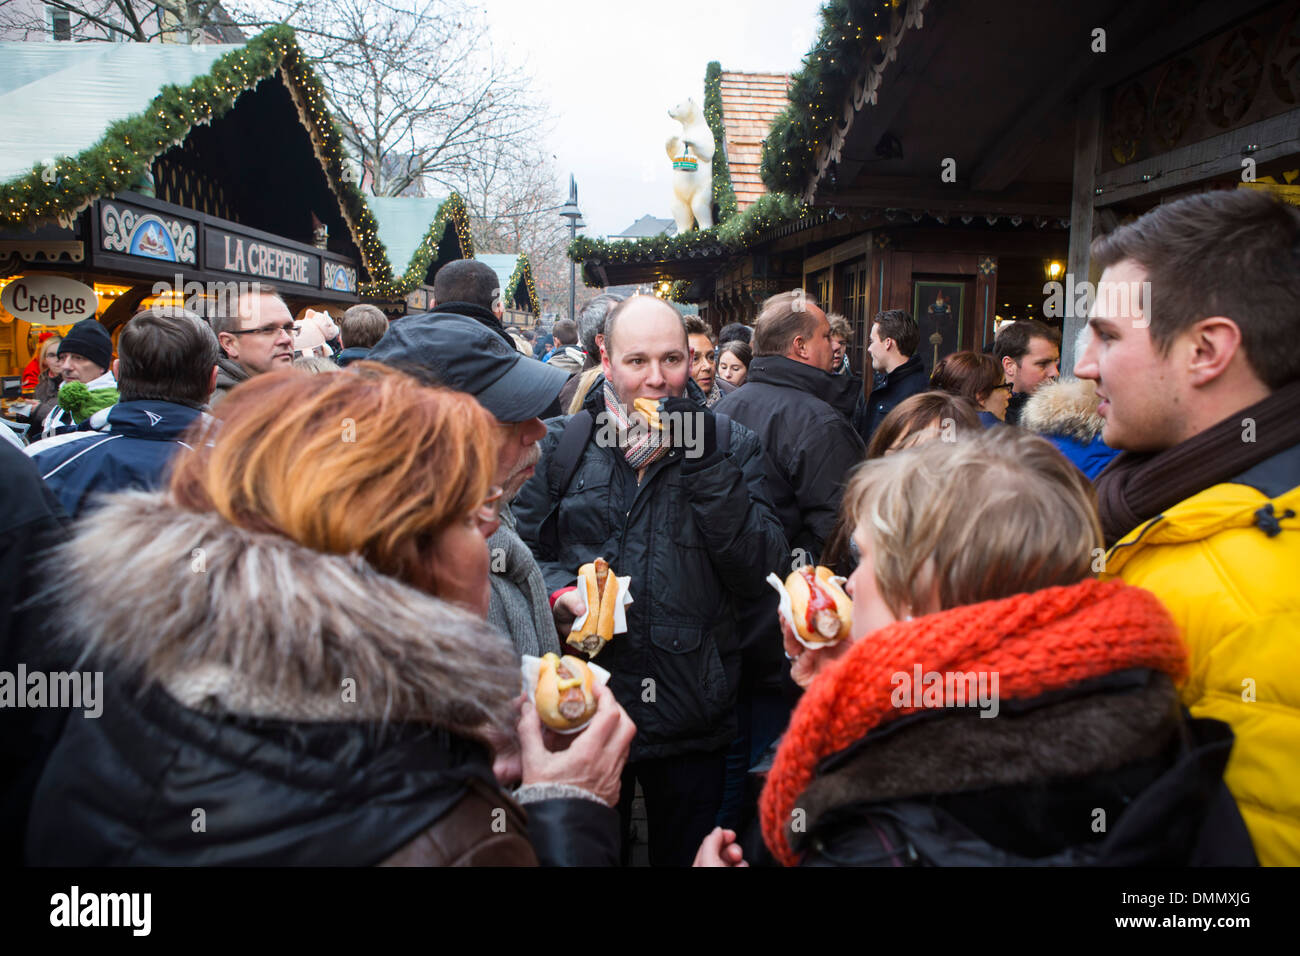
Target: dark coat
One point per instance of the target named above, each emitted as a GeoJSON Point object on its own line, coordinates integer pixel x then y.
{"type": "Point", "coordinates": [350, 355]}
{"type": "Point", "coordinates": [801, 415]}
{"type": "Point", "coordinates": [697, 539]}
{"type": "Point", "coordinates": [888, 390]}
{"type": "Point", "coordinates": [942, 789]}
{"type": "Point", "coordinates": [126, 446]}
{"type": "Point", "coordinates": [235, 701]}
{"type": "Point", "coordinates": [31, 521]}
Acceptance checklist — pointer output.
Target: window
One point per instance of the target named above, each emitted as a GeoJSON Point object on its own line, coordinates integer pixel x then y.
{"type": "Point", "coordinates": [60, 22]}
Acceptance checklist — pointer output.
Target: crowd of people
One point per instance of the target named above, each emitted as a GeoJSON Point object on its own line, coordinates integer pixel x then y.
{"type": "Point", "coordinates": [309, 594]}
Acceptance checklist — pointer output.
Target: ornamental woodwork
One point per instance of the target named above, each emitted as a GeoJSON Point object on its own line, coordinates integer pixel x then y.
{"type": "Point", "coordinates": [1240, 76]}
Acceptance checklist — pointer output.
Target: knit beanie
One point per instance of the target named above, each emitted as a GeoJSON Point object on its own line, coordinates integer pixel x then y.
{"type": "Point", "coordinates": [90, 340]}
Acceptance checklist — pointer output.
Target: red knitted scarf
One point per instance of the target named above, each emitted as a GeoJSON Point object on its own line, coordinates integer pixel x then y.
{"type": "Point", "coordinates": [1035, 643]}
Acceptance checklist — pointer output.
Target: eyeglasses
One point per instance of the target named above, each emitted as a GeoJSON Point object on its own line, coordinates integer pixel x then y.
{"type": "Point", "coordinates": [265, 330]}
{"type": "Point", "coordinates": [1007, 385]}
{"type": "Point", "coordinates": [489, 511]}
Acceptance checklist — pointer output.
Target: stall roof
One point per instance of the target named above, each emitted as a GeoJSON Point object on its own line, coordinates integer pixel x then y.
{"type": "Point", "coordinates": [58, 99]}
{"type": "Point", "coordinates": [750, 101]}
{"type": "Point", "coordinates": [513, 268]}
{"type": "Point", "coordinates": [413, 229]}
{"type": "Point", "coordinates": [103, 112]}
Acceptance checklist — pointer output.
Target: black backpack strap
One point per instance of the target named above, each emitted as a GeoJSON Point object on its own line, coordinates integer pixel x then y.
{"type": "Point", "coordinates": [560, 469]}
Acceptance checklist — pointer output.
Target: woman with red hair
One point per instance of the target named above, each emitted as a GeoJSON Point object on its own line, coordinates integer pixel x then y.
{"type": "Point", "coordinates": [298, 667]}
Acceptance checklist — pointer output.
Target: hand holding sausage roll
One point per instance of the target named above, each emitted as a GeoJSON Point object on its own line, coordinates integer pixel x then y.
{"type": "Point", "coordinates": [819, 609]}
{"type": "Point", "coordinates": [600, 587]}
{"type": "Point", "coordinates": [566, 692]}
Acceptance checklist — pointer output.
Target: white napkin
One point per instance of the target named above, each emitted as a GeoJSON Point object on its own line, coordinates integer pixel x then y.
{"type": "Point", "coordinates": [787, 612]}
{"type": "Point", "coordinates": [532, 666]}
{"type": "Point", "coordinates": [623, 598]}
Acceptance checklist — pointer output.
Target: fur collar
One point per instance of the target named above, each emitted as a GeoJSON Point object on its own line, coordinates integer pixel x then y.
{"type": "Point", "coordinates": [228, 620]}
{"type": "Point", "coordinates": [1064, 407]}
{"type": "Point", "coordinates": [963, 752]}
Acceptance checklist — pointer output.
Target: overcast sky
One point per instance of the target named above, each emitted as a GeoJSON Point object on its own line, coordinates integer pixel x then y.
{"type": "Point", "coordinates": [612, 69]}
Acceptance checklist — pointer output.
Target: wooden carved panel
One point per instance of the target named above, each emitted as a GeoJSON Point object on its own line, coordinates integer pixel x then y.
{"type": "Point", "coordinates": [1244, 74]}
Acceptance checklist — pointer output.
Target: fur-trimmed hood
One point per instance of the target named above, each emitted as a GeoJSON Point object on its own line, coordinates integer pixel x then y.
{"type": "Point", "coordinates": [1064, 407]}
{"type": "Point", "coordinates": [229, 620]}
{"type": "Point", "coordinates": [952, 752]}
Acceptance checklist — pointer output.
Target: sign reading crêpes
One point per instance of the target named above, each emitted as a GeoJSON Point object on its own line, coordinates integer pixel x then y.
{"type": "Point", "coordinates": [244, 255]}
{"type": "Point", "coordinates": [49, 300]}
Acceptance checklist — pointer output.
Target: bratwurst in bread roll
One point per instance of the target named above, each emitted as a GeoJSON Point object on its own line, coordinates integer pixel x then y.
{"type": "Point", "coordinates": [649, 408]}
{"type": "Point", "coordinates": [822, 611]}
{"type": "Point", "coordinates": [566, 692]}
{"type": "Point", "coordinates": [599, 588]}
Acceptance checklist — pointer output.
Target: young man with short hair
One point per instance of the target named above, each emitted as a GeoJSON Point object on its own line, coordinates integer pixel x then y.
{"type": "Point", "coordinates": [166, 369]}
{"type": "Point", "coordinates": [360, 331]}
{"type": "Point", "coordinates": [899, 372]}
{"type": "Point", "coordinates": [1030, 354]}
{"type": "Point", "coordinates": [1203, 507]}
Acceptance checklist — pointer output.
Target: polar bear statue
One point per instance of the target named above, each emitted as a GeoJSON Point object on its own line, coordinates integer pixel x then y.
{"type": "Point", "coordinates": [692, 156]}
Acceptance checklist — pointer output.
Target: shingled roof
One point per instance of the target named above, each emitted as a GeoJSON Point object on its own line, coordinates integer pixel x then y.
{"type": "Point", "coordinates": [750, 101]}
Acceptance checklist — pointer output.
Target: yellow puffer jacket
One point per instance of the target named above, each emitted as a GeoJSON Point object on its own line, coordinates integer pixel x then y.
{"type": "Point", "coordinates": [1228, 569]}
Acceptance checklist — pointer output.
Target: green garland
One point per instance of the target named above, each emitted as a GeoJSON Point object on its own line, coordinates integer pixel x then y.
{"type": "Point", "coordinates": [724, 194]}
{"type": "Point", "coordinates": [524, 273]}
{"type": "Point", "coordinates": [734, 235]}
{"type": "Point", "coordinates": [850, 37]}
{"type": "Point", "coordinates": [129, 147]}
{"type": "Point", "coordinates": [452, 213]}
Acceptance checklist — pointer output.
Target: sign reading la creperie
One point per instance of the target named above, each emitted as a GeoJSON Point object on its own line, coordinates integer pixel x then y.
{"type": "Point", "coordinates": [244, 255]}
{"type": "Point", "coordinates": [49, 300]}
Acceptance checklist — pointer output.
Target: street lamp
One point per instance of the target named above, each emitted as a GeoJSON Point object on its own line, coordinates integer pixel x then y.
{"type": "Point", "coordinates": [570, 212]}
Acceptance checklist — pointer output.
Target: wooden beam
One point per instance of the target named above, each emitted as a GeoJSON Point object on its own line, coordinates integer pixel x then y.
{"type": "Point", "coordinates": [1277, 137]}
{"type": "Point", "coordinates": [1039, 199]}
{"type": "Point", "coordinates": [1087, 133]}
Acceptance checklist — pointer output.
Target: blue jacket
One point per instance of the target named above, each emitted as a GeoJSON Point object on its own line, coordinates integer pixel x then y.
{"type": "Point", "coordinates": [1091, 457]}
{"type": "Point", "coordinates": [125, 446]}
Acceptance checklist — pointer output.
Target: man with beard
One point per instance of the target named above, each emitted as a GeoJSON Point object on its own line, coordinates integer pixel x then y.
{"type": "Point", "coordinates": [462, 354]}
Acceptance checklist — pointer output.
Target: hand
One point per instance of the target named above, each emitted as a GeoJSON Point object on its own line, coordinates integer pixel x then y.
{"type": "Point", "coordinates": [568, 607]}
{"type": "Point", "coordinates": [720, 849]}
{"type": "Point", "coordinates": [595, 758]}
{"type": "Point", "coordinates": [702, 432]}
{"type": "Point", "coordinates": [806, 664]}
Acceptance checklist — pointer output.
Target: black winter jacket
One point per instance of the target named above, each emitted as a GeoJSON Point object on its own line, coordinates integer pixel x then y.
{"type": "Point", "coordinates": [801, 415]}
{"type": "Point", "coordinates": [31, 521]}
{"type": "Point", "coordinates": [1106, 773]}
{"type": "Point", "coordinates": [888, 391]}
{"type": "Point", "coordinates": [315, 711]}
{"type": "Point", "coordinates": [697, 539]}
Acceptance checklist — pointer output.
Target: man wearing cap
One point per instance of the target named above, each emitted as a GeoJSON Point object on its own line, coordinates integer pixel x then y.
{"type": "Point", "coordinates": [85, 355]}
{"type": "Point", "coordinates": [463, 354]}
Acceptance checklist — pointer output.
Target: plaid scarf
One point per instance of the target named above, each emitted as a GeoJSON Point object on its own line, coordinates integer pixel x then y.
{"type": "Point", "coordinates": [647, 445]}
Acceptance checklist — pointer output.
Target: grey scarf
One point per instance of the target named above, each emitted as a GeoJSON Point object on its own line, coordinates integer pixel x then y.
{"type": "Point", "coordinates": [520, 606]}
